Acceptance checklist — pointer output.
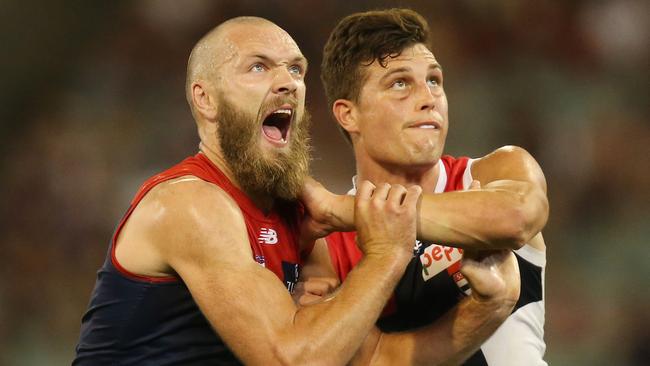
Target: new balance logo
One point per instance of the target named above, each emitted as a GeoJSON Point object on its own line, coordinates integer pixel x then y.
{"type": "Point", "coordinates": [267, 236]}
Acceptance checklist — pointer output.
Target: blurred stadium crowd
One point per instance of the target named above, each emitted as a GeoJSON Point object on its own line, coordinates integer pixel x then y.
{"type": "Point", "coordinates": [93, 103]}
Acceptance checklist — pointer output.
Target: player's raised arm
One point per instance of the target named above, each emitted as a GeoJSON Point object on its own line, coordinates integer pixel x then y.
{"type": "Point", "coordinates": [246, 304]}
{"type": "Point", "coordinates": [495, 283]}
{"type": "Point", "coordinates": [508, 209]}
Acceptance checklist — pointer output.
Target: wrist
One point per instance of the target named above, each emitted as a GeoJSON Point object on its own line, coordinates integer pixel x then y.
{"type": "Point", "coordinates": [500, 305]}
{"type": "Point", "coordinates": [341, 212]}
{"type": "Point", "coordinates": [389, 253]}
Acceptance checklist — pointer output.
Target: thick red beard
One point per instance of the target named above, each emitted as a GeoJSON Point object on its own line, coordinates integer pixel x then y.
{"type": "Point", "coordinates": [279, 176]}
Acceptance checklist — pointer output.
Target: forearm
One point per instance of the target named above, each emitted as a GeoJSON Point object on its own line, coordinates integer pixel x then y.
{"type": "Point", "coordinates": [342, 321]}
{"type": "Point", "coordinates": [502, 215]}
{"type": "Point", "coordinates": [449, 341]}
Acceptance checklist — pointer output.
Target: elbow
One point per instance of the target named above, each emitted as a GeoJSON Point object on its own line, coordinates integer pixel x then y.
{"type": "Point", "coordinates": [286, 355]}
{"type": "Point", "coordinates": [513, 232]}
{"type": "Point", "coordinates": [304, 353]}
{"type": "Point", "coordinates": [525, 221]}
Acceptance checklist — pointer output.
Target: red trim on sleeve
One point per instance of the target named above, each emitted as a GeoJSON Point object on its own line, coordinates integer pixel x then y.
{"type": "Point", "coordinates": [455, 168]}
{"type": "Point", "coordinates": [135, 276]}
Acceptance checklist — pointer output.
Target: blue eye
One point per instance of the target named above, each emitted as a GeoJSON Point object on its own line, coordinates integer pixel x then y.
{"type": "Point", "coordinates": [432, 82]}
{"type": "Point", "coordinates": [398, 84]}
{"type": "Point", "coordinates": [257, 68]}
{"type": "Point", "coordinates": [295, 69]}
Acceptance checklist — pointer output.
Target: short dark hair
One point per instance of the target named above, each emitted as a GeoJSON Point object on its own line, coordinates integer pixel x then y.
{"type": "Point", "coordinates": [360, 39]}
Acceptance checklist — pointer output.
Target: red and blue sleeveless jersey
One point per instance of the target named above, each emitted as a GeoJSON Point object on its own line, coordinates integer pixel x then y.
{"type": "Point", "coordinates": [140, 320]}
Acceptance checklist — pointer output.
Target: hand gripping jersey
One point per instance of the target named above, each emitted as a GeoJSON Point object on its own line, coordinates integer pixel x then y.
{"type": "Point", "coordinates": [140, 320]}
{"type": "Point", "coordinates": [432, 284]}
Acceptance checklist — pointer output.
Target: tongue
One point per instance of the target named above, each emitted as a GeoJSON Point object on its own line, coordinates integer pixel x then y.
{"type": "Point", "coordinates": [272, 132]}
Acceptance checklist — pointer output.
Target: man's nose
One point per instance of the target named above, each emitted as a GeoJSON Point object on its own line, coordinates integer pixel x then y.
{"type": "Point", "coordinates": [284, 82]}
{"type": "Point", "coordinates": [426, 99]}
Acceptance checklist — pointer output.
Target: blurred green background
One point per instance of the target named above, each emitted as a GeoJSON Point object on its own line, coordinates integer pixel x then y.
{"type": "Point", "coordinates": [92, 103]}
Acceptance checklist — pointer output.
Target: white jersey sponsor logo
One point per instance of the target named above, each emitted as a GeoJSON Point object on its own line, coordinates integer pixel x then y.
{"type": "Point", "coordinates": [268, 236]}
{"type": "Point", "coordinates": [436, 258]}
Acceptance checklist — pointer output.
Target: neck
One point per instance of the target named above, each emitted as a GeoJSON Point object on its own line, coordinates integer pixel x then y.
{"type": "Point", "coordinates": [213, 152]}
{"type": "Point", "coordinates": [426, 176]}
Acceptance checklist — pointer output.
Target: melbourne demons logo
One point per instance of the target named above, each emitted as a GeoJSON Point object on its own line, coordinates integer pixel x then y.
{"type": "Point", "coordinates": [267, 236]}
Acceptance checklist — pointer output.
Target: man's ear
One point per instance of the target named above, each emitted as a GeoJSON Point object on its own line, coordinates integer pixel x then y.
{"type": "Point", "coordinates": [204, 103]}
{"type": "Point", "coordinates": [345, 112]}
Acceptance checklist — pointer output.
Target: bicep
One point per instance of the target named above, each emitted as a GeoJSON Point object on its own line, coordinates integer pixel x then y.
{"type": "Point", "coordinates": [245, 303]}
{"type": "Point", "coordinates": [508, 163]}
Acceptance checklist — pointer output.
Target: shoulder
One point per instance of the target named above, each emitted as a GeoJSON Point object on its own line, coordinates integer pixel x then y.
{"type": "Point", "coordinates": [508, 162]}
{"type": "Point", "coordinates": [189, 208]}
{"type": "Point", "coordinates": [189, 197]}
{"type": "Point", "coordinates": [506, 154]}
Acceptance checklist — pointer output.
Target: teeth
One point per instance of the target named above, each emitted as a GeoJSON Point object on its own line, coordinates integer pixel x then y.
{"type": "Point", "coordinates": [428, 127]}
{"type": "Point", "coordinates": [284, 111]}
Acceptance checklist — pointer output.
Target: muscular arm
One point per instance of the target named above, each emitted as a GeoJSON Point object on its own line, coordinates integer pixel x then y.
{"type": "Point", "coordinates": [451, 339]}
{"type": "Point", "coordinates": [509, 209]}
{"type": "Point", "coordinates": [245, 303]}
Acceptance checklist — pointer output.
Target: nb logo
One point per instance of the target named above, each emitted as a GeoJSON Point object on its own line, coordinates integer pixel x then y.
{"type": "Point", "coordinates": [268, 236]}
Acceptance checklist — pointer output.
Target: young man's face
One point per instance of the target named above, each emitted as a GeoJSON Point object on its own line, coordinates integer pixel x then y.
{"type": "Point", "coordinates": [402, 110]}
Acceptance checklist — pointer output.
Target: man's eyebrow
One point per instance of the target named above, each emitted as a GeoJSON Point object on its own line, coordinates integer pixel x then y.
{"type": "Point", "coordinates": [394, 71]}
{"type": "Point", "coordinates": [435, 65]}
{"type": "Point", "coordinates": [262, 57]}
{"type": "Point", "coordinates": [432, 66]}
{"type": "Point", "coordinates": [265, 58]}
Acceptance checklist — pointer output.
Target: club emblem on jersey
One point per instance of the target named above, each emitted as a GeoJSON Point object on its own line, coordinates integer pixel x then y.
{"type": "Point", "coordinates": [268, 236]}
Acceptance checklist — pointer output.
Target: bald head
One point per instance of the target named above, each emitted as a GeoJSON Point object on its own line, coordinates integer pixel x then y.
{"type": "Point", "coordinates": [218, 47]}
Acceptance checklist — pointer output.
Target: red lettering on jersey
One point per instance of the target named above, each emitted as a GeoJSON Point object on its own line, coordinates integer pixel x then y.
{"type": "Point", "coordinates": [448, 251]}
{"type": "Point", "coordinates": [436, 253]}
{"type": "Point", "coordinates": [428, 258]}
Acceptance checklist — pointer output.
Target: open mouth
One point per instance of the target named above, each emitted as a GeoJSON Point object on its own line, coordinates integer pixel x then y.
{"type": "Point", "coordinates": [277, 124]}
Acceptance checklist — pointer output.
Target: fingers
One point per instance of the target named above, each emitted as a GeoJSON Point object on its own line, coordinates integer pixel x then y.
{"type": "Point", "coordinates": [412, 196]}
{"type": "Point", "coordinates": [314, 289]}
{"type": "Point", "coordinates": [320, 286]}
{"type": "Point", "coordinates": [365, 190]}
{"type": "Point", "coordinates": [308, 299]}
{"type": "Point", "coordinates": [396, 194]}
{"type": "Point", "coordinates": [491, 273]}
{"type": "Point", "coordinates": [381, 192]}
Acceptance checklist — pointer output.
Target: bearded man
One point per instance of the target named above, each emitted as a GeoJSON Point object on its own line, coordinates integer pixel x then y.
{"type": "Point", "coordinates": [202, 266]}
